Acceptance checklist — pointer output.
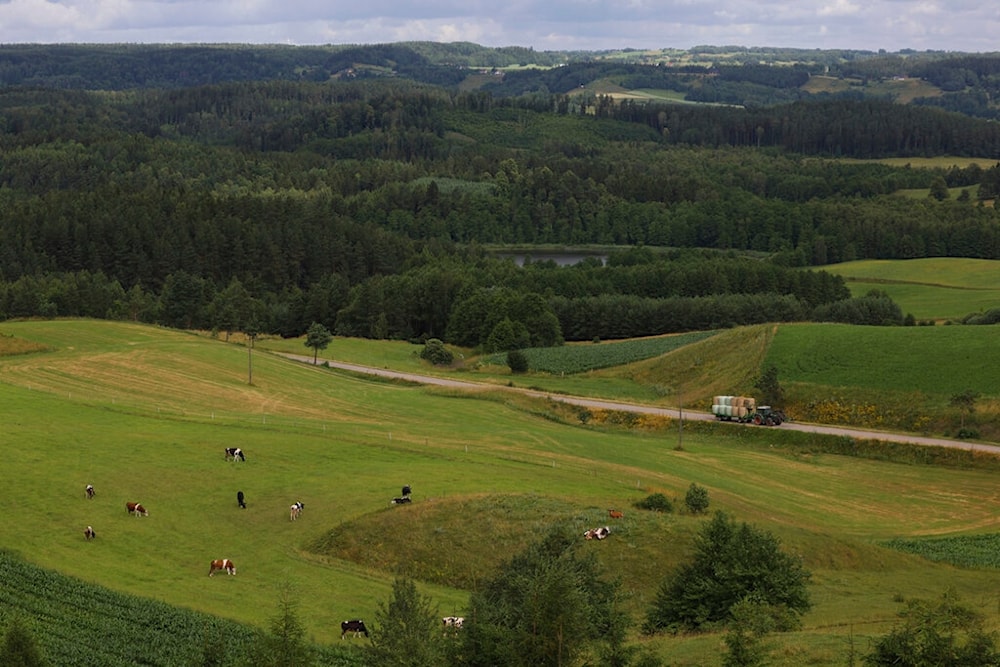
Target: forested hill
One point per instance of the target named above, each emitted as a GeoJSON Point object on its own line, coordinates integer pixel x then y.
{"type": "Point", "coordinates": [365, 205]}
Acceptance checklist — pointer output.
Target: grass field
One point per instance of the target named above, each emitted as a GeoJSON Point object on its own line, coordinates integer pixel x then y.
{"type": "Point", "coordinates": [935, 288]}
{"type": "Point", "coordinates": [144, 413]}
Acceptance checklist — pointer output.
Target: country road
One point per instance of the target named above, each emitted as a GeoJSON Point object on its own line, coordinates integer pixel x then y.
{"type": "Point", "coordinates": [598, 403]}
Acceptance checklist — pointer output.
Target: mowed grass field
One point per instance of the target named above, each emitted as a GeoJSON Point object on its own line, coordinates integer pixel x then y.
{"type": "Point", "coordinates": [144, 414]}
{"type": "Point", "coordinates": [936, 288]}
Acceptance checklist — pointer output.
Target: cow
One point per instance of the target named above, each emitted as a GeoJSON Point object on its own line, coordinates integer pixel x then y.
{"type": "Point", "coordinates": [240, 500]}
{"type": "Point", "coordinates": [406, 491]}
{"type": "Point", "coordinates": [220, 564]}
{"type": "Point", "coordinates": [296, 510]}
{"type": "Point", "coordinates": [89, 533]}
{"type": "Point", "coordinates": [355, 626]}
{"type": "Point", "coordinates": [615, 514]}
{"type": "Point", "coordinates": [235, 453]}
{"type": "Point", "coordinates": [400, 501]}
{"type": "Point", "coordinates": [453, 621]}
{"type": "Point", "coordinates": [137, 509]}
{"type": "Point", "coordinates": [89, 491]}
{"type": "Point", "coordinates": [597, 533]}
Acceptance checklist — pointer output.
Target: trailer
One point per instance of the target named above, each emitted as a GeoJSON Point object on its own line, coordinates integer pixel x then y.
{"type": "Point", "coordinates": [744, 409]}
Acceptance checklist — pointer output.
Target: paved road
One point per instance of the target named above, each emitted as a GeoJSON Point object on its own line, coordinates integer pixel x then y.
{"type": "Point", "coordinates": [649, 409]}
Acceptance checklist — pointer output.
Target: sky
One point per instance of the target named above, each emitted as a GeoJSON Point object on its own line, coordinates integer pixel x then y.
{"type": "Point", "coordinates": [589, 25]}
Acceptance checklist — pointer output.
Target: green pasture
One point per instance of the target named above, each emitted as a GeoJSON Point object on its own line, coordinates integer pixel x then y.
{"type": "Point", "coordinates": [144, 413]}
{"type": "Point", "coordinates": [933, 288]}
{"type": "Point", "coordinates": [936, 360]}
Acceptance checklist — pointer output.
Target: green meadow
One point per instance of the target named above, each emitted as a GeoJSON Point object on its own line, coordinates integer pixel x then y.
{"type": "Point", "coordinates": [144, 414]}
{"type": "Point", "coordinates": [937, 288]}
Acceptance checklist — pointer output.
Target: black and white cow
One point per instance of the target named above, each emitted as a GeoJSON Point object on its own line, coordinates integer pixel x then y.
{"type": "Point", "coordinates": [355, 626]}
{"type": "Point", "coordinates": [597, 533]}
{"type": "Point", "coordinates": [235, 453]}
{"type": "Point", "coordinates": [295, 511]}
{"type": "Point", "coordinates": [453, 621]}
{"type": "Point", "coordinates": [89, 533]}
{"type": "Point", "coordinates": [400, 501]}
{"type": "Point", "coordinates": [89, 491]}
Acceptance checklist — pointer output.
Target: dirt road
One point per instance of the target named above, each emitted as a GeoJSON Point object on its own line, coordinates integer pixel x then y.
{"type": "Point", "coordinates": [649, 409]}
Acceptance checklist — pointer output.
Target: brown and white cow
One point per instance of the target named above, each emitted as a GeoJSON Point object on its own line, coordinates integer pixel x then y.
{"type": "Point", "coordinates": [89, 533]}
{"type": "Point", "coordinates": [137, 509]}
{"type": "Point", "coordinates": [356, 626]}
{"type": "Point", "coordinates": [220, 564]}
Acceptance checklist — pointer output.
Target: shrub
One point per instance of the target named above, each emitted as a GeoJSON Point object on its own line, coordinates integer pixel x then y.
{"type": "Point", "coordinates": [696, 499]}
{"type": "Point", "coordinates": [517, 361]}
{"type": "Point", "coordinates": [435, 352]}
{"type": "Point", "coordinates": [656, 502]}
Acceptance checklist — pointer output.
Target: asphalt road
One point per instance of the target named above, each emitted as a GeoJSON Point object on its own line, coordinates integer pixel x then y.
{"type": "Point", "coordinates": [860, 434]}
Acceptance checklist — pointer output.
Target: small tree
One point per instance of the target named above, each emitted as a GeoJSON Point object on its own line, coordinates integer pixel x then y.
{"type": "Point", "coordinates": [732, 562]}
{"type": "Point", "coordinates": [770, 389]}
{"type": "Point", "coordinates": [517, 361]}
{"type": "Point", "coordinates": [407, 630]}
{"type": "Point", "coordinates": [696, 499]}
{"type": "Point", "coordinates": [20, 649]}
{"type": "Point", "coordinates": [285, 645]}
{"type": "Point", "coordinates": [966, 403]}
{"type": "Point", "coordinates": [939, 189]}
{"type": "Point", "coordinates": [941, 632]}
{"type": "Point", "coordinates": [317, 337]}
{"type": "Point", "coordinates": [435, 352]}
{"type": "Point", "coordinates": [751, 621]}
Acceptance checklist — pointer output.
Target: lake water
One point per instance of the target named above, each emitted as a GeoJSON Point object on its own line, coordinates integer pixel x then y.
{"type": "Point", "coordinates": [560, 258]}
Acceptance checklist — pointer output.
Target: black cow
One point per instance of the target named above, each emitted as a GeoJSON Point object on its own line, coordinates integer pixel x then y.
{"type": "Point", "coordinates": [356, 626]}
{"type": "Point", "coordinates": [240, 500]}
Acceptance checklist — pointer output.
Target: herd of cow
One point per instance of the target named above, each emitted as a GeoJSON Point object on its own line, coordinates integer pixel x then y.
{"type": "Point", "coordinates": [354, 627]}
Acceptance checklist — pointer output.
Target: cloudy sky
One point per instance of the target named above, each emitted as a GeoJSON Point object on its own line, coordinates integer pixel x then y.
{"type": "Point", "coordinates": [950, 25]}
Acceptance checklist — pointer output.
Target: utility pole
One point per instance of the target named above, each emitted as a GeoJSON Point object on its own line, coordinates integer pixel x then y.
{"type": "Point", "coordinates": [251, 335]}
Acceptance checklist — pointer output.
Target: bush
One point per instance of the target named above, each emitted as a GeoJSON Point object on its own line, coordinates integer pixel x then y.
{"type": "Point", "coordinates": [435, 352]}
{"type": "Point", "coordinates": [696, 499]}
{"type": "Point", "coordinates": [656, 502]}
{"type": "Point", "coordinates": [732, 563]}
{"type": "Point", "coordinates": [517, 361]}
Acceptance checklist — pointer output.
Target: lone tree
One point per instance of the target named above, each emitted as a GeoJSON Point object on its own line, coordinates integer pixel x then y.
{"type": "Point", "coordinates": [732, 562]}
{"type": "Point", "coordinates": [407, 630]}
{"type": "Point", "coordinates": [317, 337]}
{"type": "Point", "coordinates": [696, 499]}
{"type": "Point", "coordinates": [548, 606]}
{"type": "Point", "coordinates": [966, 402]}
{"type": "Point", "coordinates": [770, 389]}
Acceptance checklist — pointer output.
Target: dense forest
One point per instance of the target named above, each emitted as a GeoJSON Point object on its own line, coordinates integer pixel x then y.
{"type": "Point", "coordinates": [210, 187]}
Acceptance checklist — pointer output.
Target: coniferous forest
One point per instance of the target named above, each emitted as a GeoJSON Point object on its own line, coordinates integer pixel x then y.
{"type": "Point", "coordinates": [263, 189]}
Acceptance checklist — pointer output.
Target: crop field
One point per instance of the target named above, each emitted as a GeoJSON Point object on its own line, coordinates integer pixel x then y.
{"type": "Point", "coordinates": [569, 359]}
{"type": "Point", "coordinates": [144, 413]}
{"type": "Point", "coordinates": [939, 288]}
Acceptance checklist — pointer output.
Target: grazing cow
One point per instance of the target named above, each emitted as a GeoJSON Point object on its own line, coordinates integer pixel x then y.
{"type": "Point", "coordinates": [90, 491]}
{"type": "Point", "coordinates": [296, 510]}
{"type": "Point", "coordinates": [235, 453]}
{"type": "Point", "coordinates": [355, 626]}
{"type": "Point", "coordinates": [615, 514]}
{"type": "Point", "coordinates": [453, 621]}
{"type": "Point", "coordinates": [400, 501]}
{"type": "Point", "coordinates": [137, 509]}
{"type": "Point", "coordinates": [240, 500]}
{"type": "Point", "coordinates": [220, 564]}
{"type": "Point", "coordinates": [406, 491]}
{"type": "Point", "coordinates": [89, 533]}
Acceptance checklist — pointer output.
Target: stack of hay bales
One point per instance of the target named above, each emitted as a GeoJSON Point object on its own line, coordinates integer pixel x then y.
{"type": "Point", "coordinates": [733, 407]}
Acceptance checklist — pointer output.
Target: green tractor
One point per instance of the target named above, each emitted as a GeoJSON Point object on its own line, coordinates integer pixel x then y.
{"type": "Point", "coordinates": [765, 415]}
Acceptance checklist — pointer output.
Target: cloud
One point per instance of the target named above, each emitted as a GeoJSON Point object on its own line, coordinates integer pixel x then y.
{"type": "Point", "coordinates": [959, 25]}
